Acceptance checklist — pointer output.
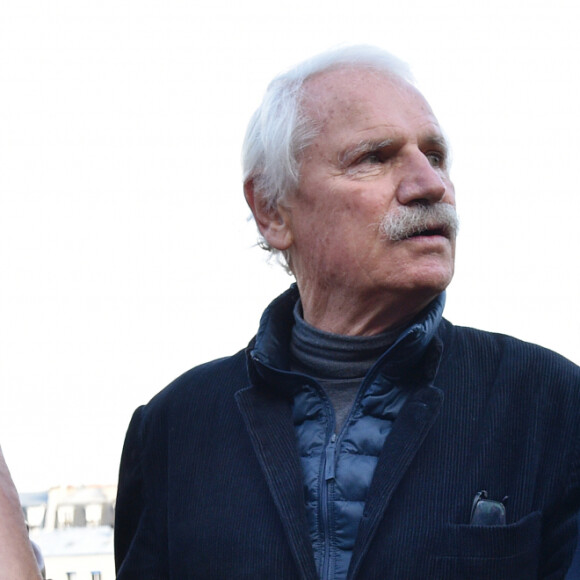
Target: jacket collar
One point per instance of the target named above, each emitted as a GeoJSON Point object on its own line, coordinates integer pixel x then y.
{"type": "Point", "coordinates": [268, 354]}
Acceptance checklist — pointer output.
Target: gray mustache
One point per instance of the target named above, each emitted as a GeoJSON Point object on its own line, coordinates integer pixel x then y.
{"type": "Point", "coordinates": [407, 221]}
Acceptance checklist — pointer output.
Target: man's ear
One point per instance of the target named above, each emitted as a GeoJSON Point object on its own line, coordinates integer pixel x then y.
{"type": "Point", "coordinates": [273, 223]}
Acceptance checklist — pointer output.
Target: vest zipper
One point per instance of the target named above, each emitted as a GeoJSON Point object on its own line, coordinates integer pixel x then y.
{"type": "Point", "coordinates": [330, 458]}
{"type": "Point", "coordinates": [329, 473]}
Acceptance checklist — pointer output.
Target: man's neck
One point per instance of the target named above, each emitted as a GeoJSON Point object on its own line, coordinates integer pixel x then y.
{"type": "Point", "coordinates": [360, 315]}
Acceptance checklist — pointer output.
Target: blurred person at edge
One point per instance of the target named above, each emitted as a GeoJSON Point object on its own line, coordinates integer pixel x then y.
{"type": "Point", "coordinates": [360, 434]}
{"type": "Point", "coordinates": [17, 556]}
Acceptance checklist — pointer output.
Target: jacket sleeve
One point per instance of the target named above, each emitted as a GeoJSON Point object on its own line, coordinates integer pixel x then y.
{"type": "Point", "coordinates": [560, 536]}
{"type": "Point", "coordinates": [140, 523]}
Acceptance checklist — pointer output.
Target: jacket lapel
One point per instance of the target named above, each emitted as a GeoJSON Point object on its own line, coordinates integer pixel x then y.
{"type": "Point", "coordinates": [269, 424]}
{"type": "Point", "coordinates": [408, 433]}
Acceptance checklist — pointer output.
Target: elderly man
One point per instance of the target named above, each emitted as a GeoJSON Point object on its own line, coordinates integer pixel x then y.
{"type": "Point", "coordinates": [359, 435]}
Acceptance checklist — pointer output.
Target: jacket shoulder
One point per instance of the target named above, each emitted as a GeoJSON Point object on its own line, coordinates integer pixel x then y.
{"type": "Point", "coordinates": [495, 351]}
{"type": "Point", "coordinates": [217, 381]}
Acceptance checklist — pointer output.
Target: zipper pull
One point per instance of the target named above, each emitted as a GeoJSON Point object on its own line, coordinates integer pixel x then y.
{"type": "Point", "coordinates": [329, 466]}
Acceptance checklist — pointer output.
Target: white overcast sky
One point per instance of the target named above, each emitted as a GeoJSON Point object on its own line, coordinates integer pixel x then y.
{"type": "Point", "coordinates": [126, 256]}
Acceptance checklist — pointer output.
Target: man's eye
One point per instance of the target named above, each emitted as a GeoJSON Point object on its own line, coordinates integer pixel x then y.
{"type": "Point", "coordinates": [435, 159]}
{"type": "Point", "coordinates": [373, 157]}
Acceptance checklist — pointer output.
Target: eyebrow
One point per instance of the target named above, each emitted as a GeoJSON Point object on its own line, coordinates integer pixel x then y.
{"type": "Point", "coordinates": [346, 157]}
{"type": "Point", "coordinates": [438, 141]}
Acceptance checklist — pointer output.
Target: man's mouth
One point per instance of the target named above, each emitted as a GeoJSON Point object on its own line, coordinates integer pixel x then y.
{"type": "Point", "coordinates": [431, 232]}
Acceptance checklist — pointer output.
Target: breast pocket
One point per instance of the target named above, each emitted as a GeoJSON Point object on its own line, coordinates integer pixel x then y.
{"type": "Point", "coordinates": [490, 552]}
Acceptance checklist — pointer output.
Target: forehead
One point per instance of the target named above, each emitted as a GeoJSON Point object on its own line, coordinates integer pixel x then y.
{"type": "Point", "coordinates": [355, 102]}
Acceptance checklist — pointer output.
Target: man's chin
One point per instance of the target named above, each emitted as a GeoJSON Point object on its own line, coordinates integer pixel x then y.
{"type": "Point", "coordinates": [428, 286]}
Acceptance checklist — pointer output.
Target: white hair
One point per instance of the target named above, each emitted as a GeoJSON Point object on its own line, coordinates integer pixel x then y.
{"type": "Point", "coordinates": [280, 129]}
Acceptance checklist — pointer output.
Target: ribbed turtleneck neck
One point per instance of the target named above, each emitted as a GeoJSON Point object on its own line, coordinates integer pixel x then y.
{"type": "Point", "coordinates": [324, 355]}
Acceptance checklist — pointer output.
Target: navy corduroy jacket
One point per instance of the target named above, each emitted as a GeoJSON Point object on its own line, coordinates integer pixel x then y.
{"type": "Point", "coordinates": [211, 486]}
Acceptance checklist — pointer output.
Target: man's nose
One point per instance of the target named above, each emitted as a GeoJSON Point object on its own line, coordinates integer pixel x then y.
{"type": "Point", "coordinates": [420, 181]}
